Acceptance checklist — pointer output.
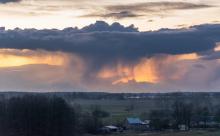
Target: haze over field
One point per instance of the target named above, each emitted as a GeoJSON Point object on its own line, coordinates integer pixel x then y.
{"type": "Point", "coordinates": [120, 54]}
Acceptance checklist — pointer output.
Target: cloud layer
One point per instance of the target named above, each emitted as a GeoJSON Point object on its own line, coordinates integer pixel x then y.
{"type": "Point", "coordinates": [114, 42]}
{"type": "Point", "coordinates": [134, 10]}
{"type": "Point", "coordinates": [114, 57]}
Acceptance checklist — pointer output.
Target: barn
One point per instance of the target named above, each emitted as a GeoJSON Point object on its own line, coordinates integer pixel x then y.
{"type": "Point", "coordinates": [136, 124]}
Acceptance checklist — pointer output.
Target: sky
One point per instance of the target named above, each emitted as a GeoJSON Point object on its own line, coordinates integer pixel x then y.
{"type": "Point", "coordinates": [110, 45]}
{"type": "Point", "coordinates": [145, 14]}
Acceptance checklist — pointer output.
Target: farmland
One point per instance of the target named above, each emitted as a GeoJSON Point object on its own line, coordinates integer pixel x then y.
{"type": "Point", "coordinates": [119, 109]}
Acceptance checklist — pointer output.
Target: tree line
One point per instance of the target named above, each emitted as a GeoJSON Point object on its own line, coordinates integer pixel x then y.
{"type": "Point", "coordinates": [184, 113]}
{"type": "Point", "coordinates": [36, 115]}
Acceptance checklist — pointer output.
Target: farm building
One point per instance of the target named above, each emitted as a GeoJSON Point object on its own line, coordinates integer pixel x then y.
{"type": "Point", "coordinates": [136, 124]}
{"type": "Point", "coordinates": [109, 129]}
{"type": "Point", "coordinates": [112, 128]}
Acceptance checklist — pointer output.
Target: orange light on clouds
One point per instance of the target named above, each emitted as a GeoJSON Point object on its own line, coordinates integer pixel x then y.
{"type": "Point", "coordinates": [12, 57]}
{"type": "Point", "coordinates": [142, 72]}
{"type": "Point", "coordinates": [190, 56]}
{"type": "Point", "coordinates": [147, 70]}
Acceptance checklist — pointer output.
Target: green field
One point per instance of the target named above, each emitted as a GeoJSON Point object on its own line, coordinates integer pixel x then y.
{"type": "Point", "coordinates": [120, 109]}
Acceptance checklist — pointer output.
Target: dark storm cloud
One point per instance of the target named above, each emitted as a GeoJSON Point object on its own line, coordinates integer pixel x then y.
{"type": "Point", "coordinates": [103, 44]}
{"type": "Point", "coordinates": [7, 1]}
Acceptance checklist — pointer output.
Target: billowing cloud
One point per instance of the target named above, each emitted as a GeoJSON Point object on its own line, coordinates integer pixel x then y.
{"type": "Point", "coordinates": [111, 57]}
{"type": "Point", "coordinates": [101, 26]}
{"type": "Point", "coordinates": [109, 43]}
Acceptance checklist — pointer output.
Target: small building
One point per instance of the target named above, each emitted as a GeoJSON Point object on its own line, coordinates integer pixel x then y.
{"type": "Point", "coordinates": [147, 123]}
{"type": "Point", "coordinates": [108, 129]}
{"type": "Point", "coordinates": [136, 124]}
{"type": "Point", "coordinates": [112, 128]}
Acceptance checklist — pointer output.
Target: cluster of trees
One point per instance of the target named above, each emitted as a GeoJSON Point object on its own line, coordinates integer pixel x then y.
{"type": "Point", "coordinates": [92, 121]}
{"type": "Point", "coordinates": [34, 115]}
{"type": "Point", "coordinates": [183, 113]}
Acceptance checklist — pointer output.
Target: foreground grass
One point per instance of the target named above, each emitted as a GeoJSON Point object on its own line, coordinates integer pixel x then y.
{"type": "Point", "coordinates": [189, 133]}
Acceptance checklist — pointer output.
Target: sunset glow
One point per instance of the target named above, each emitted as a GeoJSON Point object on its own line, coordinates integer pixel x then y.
{"type": "Point", "coordinates": [146, 70]}
{"type": "Point", "coordinates": [11, 58]}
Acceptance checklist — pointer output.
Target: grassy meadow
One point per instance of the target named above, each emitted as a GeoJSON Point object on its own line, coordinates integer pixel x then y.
{"type": "Point", "coordinates": [120, 109]}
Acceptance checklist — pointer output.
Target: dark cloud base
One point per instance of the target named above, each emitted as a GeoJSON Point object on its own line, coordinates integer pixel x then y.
{"type": "Point", "coordinates": [103, 44]}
